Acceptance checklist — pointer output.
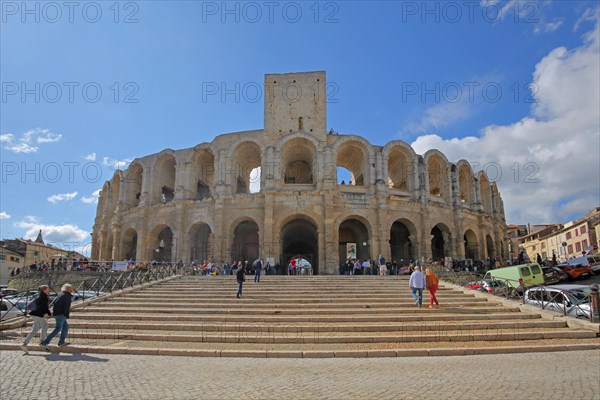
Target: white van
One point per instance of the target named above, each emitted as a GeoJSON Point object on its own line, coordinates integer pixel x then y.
{"type": "Point", "coordinates": [593, 260]}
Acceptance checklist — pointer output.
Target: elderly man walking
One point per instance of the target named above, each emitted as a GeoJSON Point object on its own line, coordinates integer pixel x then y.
{"type": "Point", "coordinates": [62, 308]}
{"type": "Point", "coordinates": [417, 283]}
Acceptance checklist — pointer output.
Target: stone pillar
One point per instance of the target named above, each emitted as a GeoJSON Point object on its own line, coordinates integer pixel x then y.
{"type": "Point", "coordinates": [116, 247]}
{"type": "Point", "coordinates": [147, 187]}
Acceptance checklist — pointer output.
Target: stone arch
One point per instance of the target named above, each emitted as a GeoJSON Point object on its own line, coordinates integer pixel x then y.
{"type": "Point", "coordinates": [201, 240]}
{"type": "Point", "coordinates": [489, 245]}
{"type": "Point", "coordinates": [437, 174]}
{"type": "Point", "coordinates": [164, 177]}
{"type": "Point", "coordinates": [298, 157]}
{"type": "Point", "coordinates": [400, 164]}
{"type": "Point", "coordinates": [465, 183]}
{"type": "Point", "coordinates": [471, 243]}
{"type": "Point", "coordinates": [129, 241]}
{"type": "Point", "coordinates": [202, 173]}
{"type": "Point", "coordinates": [441, 242]}
{"type": "Point", "coordinates": [245, 240]}
{"type": "Point", "coordinates": [299, 236]}
{"type": "Point", "coordinates": [161, 243]}
{"type": "Point", "coordinates": [403, 241]}
{"type": "Point", "coordinates": [485, 192]}
{"type": "Point", "coordinates": [354, 229]}
{"type": "Point", "coordinates": [133, 185]}
{"type": "Point", "coordinates": [247, 159]}
{"type": "Point", "coordinates": [353, 155]}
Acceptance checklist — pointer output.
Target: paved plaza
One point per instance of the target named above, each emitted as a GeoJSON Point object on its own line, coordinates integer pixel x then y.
{"type": "Point", "coordinates": [564, 375]}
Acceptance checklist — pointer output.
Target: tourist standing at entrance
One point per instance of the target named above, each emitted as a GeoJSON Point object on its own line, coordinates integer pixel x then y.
{"type": "Point", "coordinates": [416, 284]}
{"type": "Point", "coordinates": [241, 278]}
{"type": "Point", "coordinates": [382, 266]}
{"type": "Point", "coordinates": [38, 313]}
{"type": "Point", "coordinates": [257, 270]}
{"type": "Point", "coordinates": [366, 265]}
{"type": "Point", "coordinates": [432, 285]}
{"type": "Point", "coordinates": [61, 311]}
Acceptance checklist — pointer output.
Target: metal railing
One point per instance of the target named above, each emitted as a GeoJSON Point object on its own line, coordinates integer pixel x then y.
{"type": "Point", "coordinates": [17, 305]}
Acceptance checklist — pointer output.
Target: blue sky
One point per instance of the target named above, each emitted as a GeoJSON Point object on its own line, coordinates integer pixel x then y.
{"type": "Point", "coordinates": [393, 68]}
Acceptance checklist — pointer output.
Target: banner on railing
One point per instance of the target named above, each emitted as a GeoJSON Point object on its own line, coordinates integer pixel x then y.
{"type": "Point", "coordinates": [119, 265]}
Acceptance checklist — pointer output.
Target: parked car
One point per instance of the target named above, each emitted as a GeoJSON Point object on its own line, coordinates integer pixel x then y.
{"type": "Point", "coordinates": [8, 310]}
{"type": "Point", "coordinates": [525, 274]}
{"type": "Point", "coordinates": [6, 292]}
{"type": "Point", "coordinates": [576, 271]}
{"type": "Point", "coordinates": [561, 274]}
{"type": "Point", "coordinates": [488, 285]}
{"type": "Point", "coordinates": [573, 300]}
{"type": "Point", "coordinates": [550, 275]}
{"type": "Point", "coordinates": [591, 260]}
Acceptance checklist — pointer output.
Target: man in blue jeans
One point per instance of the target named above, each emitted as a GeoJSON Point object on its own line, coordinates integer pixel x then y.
{"type": "Point", "coordinates": [61, 310]}
{"type": "Point", "coordinates": [417, 283]}
{"type": "Point", "coordinates": [257, 270]}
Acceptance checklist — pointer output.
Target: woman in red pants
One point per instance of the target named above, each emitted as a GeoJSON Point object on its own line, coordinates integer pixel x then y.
{"type": "Point", "coordinates": [432, 283]}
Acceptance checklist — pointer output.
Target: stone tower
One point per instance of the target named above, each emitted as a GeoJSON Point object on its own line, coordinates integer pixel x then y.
{"type": "Point", "coordinates": [296, 102]}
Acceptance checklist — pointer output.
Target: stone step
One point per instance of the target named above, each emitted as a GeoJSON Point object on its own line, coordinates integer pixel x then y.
{"type": "Point", "coordinates": [305, 311]}
{"type": "Point", "coordinates": [267, 305]}
{"type": "Point", "coordinates": [287, 299]}
{"type": "Point", "coordinates": [277, 319]}
{"type": "Point", "coordinates": [377, 350]}
{"type": "Point", "coordinates": [309, 338]}
{"type": "Point", "coordinates": [318, 327]}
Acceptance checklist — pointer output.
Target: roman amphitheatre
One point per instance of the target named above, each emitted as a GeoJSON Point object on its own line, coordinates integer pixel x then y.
{"type": "Point", "coordinates": [275, 193]}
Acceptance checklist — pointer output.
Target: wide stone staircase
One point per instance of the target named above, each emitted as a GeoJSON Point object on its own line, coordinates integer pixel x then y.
{"type": "Point", "coordinates": [308, 316]}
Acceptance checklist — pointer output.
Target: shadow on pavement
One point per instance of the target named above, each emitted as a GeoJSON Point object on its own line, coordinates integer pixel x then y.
{"type": "Point", "coordinates": [71, 357]}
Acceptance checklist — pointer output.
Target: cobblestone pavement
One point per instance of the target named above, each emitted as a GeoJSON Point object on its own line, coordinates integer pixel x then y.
{"type": "Point", "coordinates": [563, 375]}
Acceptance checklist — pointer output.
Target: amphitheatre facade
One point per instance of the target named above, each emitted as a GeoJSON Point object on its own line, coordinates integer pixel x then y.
{"type": "Point", "coordinates": [275, 193]}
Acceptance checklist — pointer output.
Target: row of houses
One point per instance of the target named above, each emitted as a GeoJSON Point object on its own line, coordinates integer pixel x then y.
{"type": "Point", "coordinates": [566, 241]}
{"type": "Point", "coordinates": [21, 253]}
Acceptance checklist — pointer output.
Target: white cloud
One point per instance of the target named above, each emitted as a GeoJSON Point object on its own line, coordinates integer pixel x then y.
{"type": "Point", "coordinates": [55, 198]}
{"type": "Point", "coordinates": [60, 235]}
{"type": "Point", "coordinates": [29, 141]}
{"type": "Point", "coordinates": [91, 157]}
{"type": "Point", "coordinates": [439, 116]}
{"type": "Point", "coordinates": [589, 14]}
{"type": "Point", "coordinates": [4, 215]}
{"type": "Point", "coordinates": [116, 164]}
{"type": "Point", "coordinates": [546, 27]}
{"type": "Point", "coordinates": [556, 147]}
{"type": "Point", "coordinates": [93, 199]}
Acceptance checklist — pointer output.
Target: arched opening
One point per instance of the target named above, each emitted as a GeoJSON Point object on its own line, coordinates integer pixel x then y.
{"type": "Point", "coordinates": [400, 169]}
{"type": "Point", "coordinates": [247, 162]}
{"type": "Point", "coordinates": [471, 245]}
{"type": "Point", "coordinates": [440, 242]}
{"type": "Point", "coordinates": [486, 193]}
{"type": "Point", "coordinates": [203, 174]}
{"type": "Point", "coordinates": [354, 240]}
{"type": "Point", "coordinates": [164, 175]}
{"type": "Point", "coordinates": [133, 186]}
{"type": "Point", "coordinates": [437, 173]}
{"type": "Point", "coordinates": [129, 244]}
{"type": "Point", "coordinates": [344, 176]}
{"type": "Point", "coordinates": [300, 239]}
{"type": "Point", "coordinates": [489, 244]}
{"type": "Point", "coordinates": [161, 243]}
{"type": "Point", "coordinates": [200, 242]}
{"type": "Point", "coordinates": [465, 184]}
{"type": "Point", "coordinates": [352, 156]}
{"type": "Point", "coordinates": [245, 242]}
{"type": "Point", "coordinates": [402, 242]}
{"type": "Point", "coordinates": [298, 157]}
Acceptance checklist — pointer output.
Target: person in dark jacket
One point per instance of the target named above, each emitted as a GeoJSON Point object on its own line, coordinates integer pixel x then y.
{"type": "Point", "coordinates": [40, 310]}
{"type": "Point", "coordinates": [62, 308]}
{"type": "Point", "coordinates": [241, 278]}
